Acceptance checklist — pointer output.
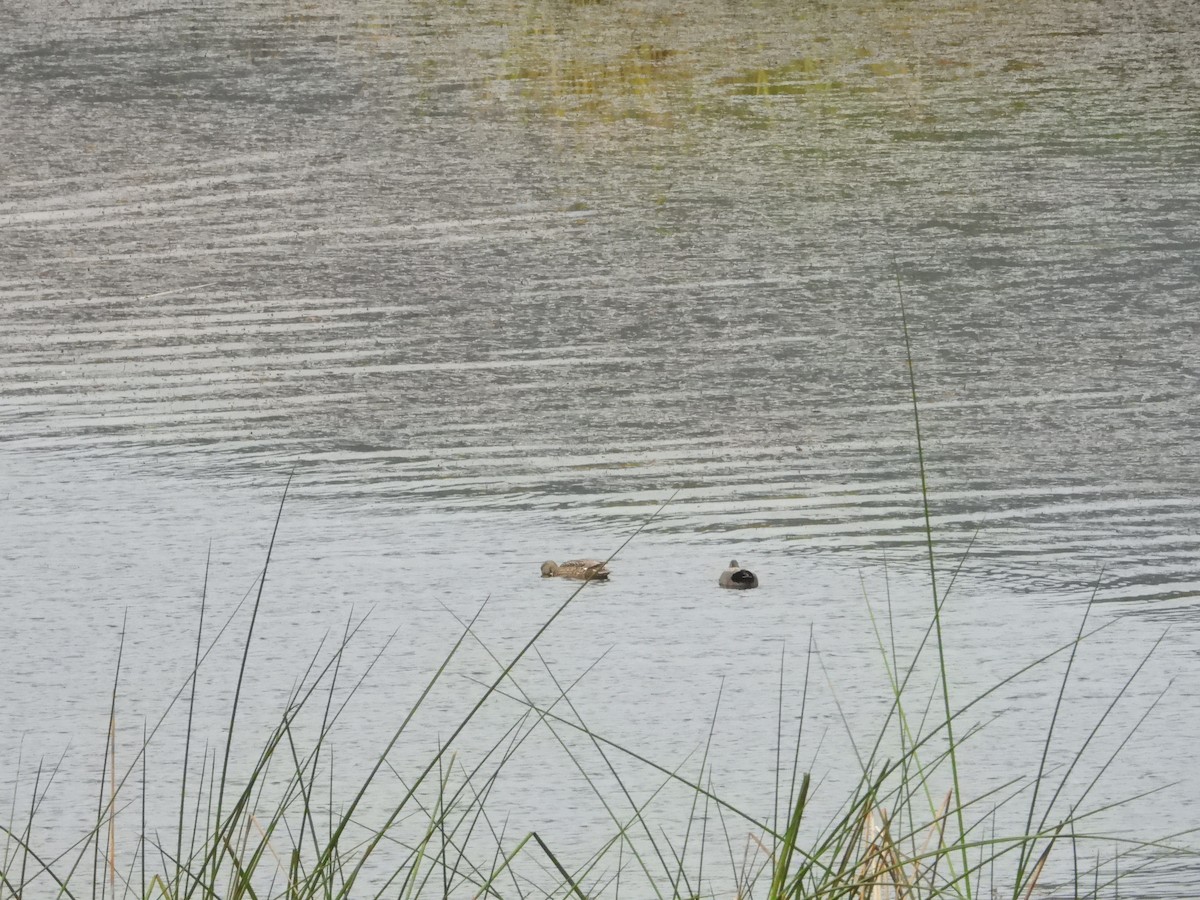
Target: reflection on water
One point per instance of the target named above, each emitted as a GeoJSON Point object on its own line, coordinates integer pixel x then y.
{"type": "Point", "coordinates": [500, 279]}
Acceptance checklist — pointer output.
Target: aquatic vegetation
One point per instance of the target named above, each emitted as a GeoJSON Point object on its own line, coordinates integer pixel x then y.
{"type": "Point", "coordinates": [276, 831]}
{"type": "Point", "coordinates": [907, 828]}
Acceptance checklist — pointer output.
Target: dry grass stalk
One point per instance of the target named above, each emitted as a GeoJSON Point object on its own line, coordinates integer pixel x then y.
{"type": "Point", "coordinates": [881, 872]}
{"type": "Point", "coordinates": [1041, 864]}
{"type": "Point", "coordinates": [938, 827]}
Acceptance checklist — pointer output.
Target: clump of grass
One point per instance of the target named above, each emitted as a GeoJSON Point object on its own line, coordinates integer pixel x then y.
{"type": "Point", "coordinates": [905, 831]}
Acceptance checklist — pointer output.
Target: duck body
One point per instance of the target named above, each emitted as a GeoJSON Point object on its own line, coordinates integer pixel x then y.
{"type": "Point", "coordinates": [737, 578]}
{"type": "Point", "coordinates": [579, 569]}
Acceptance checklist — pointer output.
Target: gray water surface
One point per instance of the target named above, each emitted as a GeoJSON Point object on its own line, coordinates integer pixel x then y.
{"type": "Point", "coordinates": [499, 280]}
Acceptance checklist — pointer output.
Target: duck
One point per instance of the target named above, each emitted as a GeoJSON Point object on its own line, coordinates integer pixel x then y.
{"type": "Point", "coordinates": [579, 569]}
{"type": "Point", "coordinates": [737, 578]}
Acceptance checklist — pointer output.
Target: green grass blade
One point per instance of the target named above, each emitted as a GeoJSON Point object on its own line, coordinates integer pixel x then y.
{"type": "Point", "coordinates": [187, 740]}
{"type": "Point", "coordinates": [237, 692]}
{"type": "Point", "coordinates": [565, 874]}
{"type": "Point", "coordinates": [937, 606]}
{"type": "Point", "coordinates": [787, 847]}
{"type": "Point", "coordinates": [1027, 851]}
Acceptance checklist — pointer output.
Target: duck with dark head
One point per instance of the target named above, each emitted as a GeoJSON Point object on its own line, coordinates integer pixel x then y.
{"type": "Point", "coordinates": [737, 578]}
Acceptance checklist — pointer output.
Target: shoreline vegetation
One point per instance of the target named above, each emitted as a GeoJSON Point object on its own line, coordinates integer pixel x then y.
{"type": "Point", "coordinates": [907, 829]}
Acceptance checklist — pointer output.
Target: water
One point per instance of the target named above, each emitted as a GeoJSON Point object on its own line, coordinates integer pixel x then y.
{"type": "Point", "coordinates": [500, 281]}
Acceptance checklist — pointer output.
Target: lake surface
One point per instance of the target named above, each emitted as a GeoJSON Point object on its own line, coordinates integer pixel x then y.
{"type": "Point", "coordinates": [499, 280]}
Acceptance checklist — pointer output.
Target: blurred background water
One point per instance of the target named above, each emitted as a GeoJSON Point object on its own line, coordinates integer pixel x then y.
{"type": "Point", "coordinates": [498, 279]}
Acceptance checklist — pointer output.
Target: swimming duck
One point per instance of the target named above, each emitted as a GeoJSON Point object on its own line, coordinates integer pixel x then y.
{"type": "Point", "coordinates": [738, 578]}
{"type": "Point", "coordinates": [581, 569]}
